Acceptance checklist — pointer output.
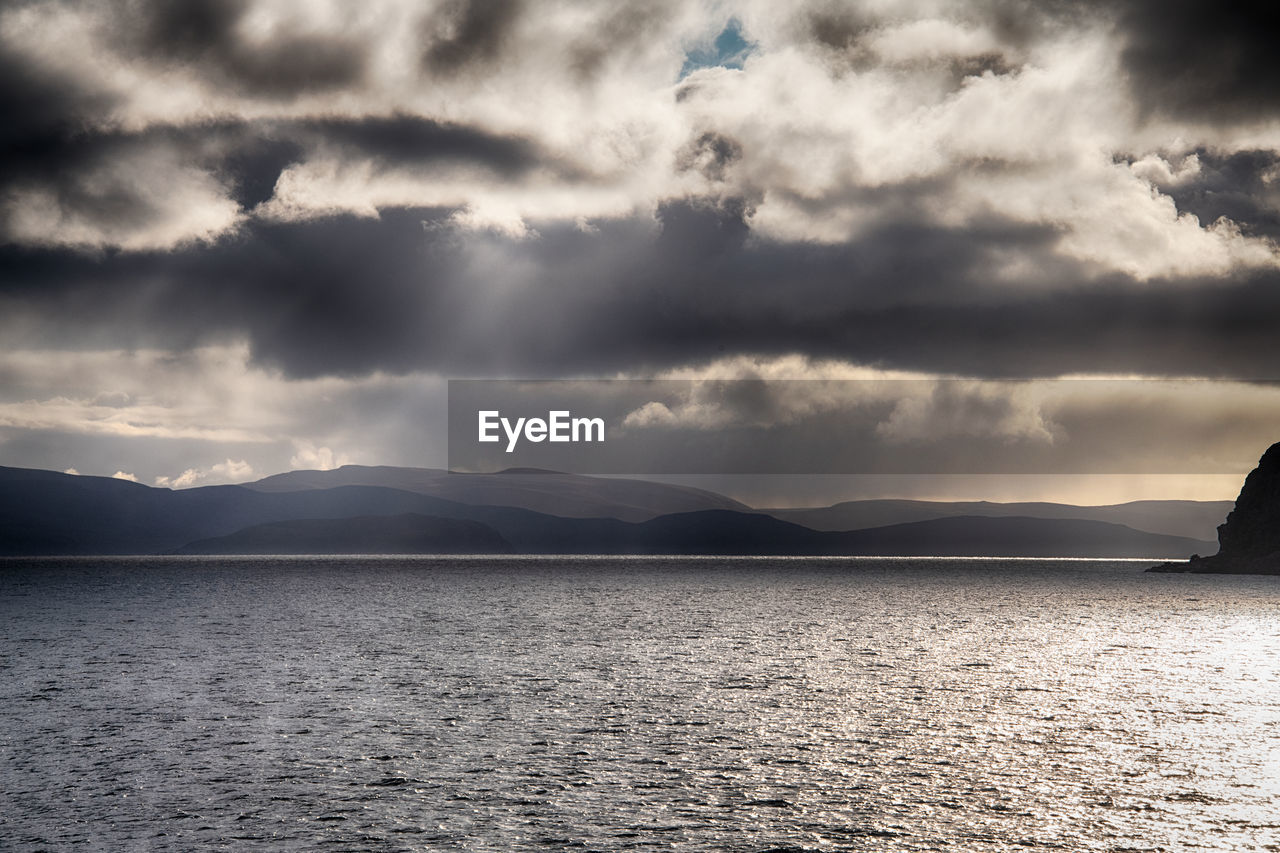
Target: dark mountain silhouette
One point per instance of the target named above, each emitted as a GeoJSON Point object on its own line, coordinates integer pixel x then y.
{"type": "Point", "coordinates": [371, 534]}
{"type": "Point", "coordinates": [577, 496]}
{"type": "Point", "coordinates": [1012, 536]}
{"type": "Point", "coordinates": [721, 532]}
{"type": "Point", "coordinates": [43, 512]}
{"type": "Point", "coordinates": [1194, 519]}
{"type": "Point", "coordinates": [551, 492]}
{"type": "Point", "coordinates": [1249, 540]}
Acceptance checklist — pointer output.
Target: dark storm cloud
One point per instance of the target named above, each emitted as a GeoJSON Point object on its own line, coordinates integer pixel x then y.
{"type": "Point", "coordinates": [342, 295]}
{"type": "Point", "coordinates": [839, 28]}
{"type": "Point", "coordinates": [53, 152]}
{"type": "Point", "coordinates": [253, 165]}
{"type": "Point", "coordinates": [348, 295]}
{"type": "Point", "coordinates": [404, 140]}
{"type": "Point", "coordinates": [1214, 329]}
{"type": "Point", "coordinates": [1202, 60]}
{"type": "Point", "coordinates": [204, 35]}
{"type": "Point", "coordinates": [48, 149]}
{"type": "Point", "coordinates": [990, 62]}
{"type": "Point", "coordinates": [351, 296]}
{"type": "Point", "coordinates": [42, 114]}
{"type": "Point", "coordinates": [1021, 23]}
{"type": "Point", "coordinates": [260, 151]}
{"type": "Point", "coordinates": [1234, 185]}
{"type": "Point", "coordinates": [468, 32]}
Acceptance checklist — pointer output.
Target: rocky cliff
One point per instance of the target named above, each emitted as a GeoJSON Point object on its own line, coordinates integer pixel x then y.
{"type": "Point", "coordinates": [1249, 540]}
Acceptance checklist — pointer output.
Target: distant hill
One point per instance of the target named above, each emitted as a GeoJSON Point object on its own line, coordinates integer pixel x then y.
{"type": "Point", "coordinates": [1194, 519]}
{"type": "Point", "coordinates": [551, 492]}
{"type": "Point", "coordinates": [44, 512]}
{"type": "Point", "coordinates": [379, 534]}
{"type": "Point", "coordinates": [721, 532]}
{"type": "Point", "coordinates": [575, 496]}
{"type": "Point", "coordinates": [1012, 536]}
{"type": "Point", "coordinates": [706, 532]}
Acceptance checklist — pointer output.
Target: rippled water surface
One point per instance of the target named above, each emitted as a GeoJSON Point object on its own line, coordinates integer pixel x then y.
{"type": "Point", "coordinates": [635, 704]}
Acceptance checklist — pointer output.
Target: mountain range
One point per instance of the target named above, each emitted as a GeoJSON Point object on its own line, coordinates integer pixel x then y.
{"type": "Point", "coordinates": [359, 509]}
{"type": "Point", "coordinates": [1194, 519]}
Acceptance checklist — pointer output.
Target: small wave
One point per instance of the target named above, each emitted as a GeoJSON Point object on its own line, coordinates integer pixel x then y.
{"type": "Point", "coordinates": [775, 803]}
{"type": "Point", "coordinates": [388, 782]}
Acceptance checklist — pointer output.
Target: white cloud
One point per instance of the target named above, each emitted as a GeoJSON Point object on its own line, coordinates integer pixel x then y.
{"type": "Point", "coordinates": [938, 412]}
{"type": "Point", "coordinates": [1161, 172]}
{"type": "Point", "coordinates": [833, 142]}
{"type": "Point", "coordinates": [314, 458]}
{"type": "Point", "coordinates": [1134, 424]}
{"type": "Point", "coordinates": [688, 414]}
{"type": "Point", "coordinates": [790, 391]}
{"type": "Point", "coordinates": [151, 419]}
{"type": "Point", "coordinates": [121, 475]}
{"type": "Point", "coordinates": [230, 471]}
{"type": "Point", "coordinates": [184, 480]}
{"type": "Point", "coordinates": [233, 470]}
{"type": "Point", "coordinates": [721, 393]}
{"type": "Point", "coordinates": [930, 39]}
{"type": "Point", "coordinates": [209, 393]}
{"type": "Point", "coordinates": [144, 198]}
{"type": "Point", "coordinates": [209, 407]}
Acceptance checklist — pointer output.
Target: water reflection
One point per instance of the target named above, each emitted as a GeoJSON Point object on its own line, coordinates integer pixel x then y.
{"type": "Point", "coordinates": [399, 704]}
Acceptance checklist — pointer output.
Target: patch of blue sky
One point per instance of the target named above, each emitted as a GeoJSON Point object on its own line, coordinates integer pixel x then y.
{"type": "Point", "coordinates": [729, 50]}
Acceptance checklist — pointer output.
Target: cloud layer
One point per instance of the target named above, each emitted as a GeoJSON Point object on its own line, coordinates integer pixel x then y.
{"type": "Point", "coordinates": [359, 192]}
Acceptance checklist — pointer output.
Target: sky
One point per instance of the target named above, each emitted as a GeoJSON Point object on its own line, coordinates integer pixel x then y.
{"type": "Point", "coordinates": [241, 236]}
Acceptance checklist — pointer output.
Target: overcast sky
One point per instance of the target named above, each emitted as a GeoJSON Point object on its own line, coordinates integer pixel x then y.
{"type": "Point", "coordinates": [240, 236]}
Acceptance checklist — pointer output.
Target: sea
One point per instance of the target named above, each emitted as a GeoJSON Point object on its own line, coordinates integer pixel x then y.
{"type": "Point", "coordinates": [635, 704]}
